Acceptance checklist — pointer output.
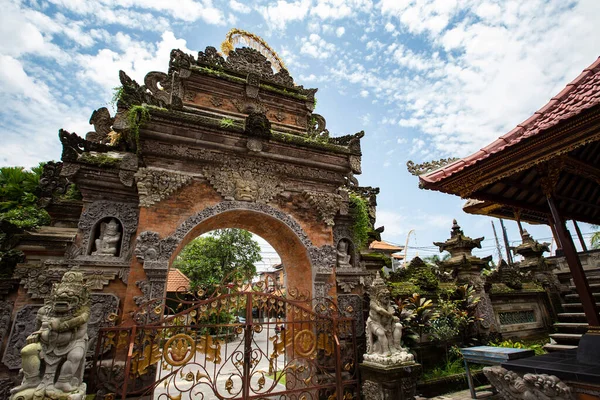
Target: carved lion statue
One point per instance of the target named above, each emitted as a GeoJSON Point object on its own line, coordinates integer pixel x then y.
{"type": "Point", "coordinates": [53, 359]}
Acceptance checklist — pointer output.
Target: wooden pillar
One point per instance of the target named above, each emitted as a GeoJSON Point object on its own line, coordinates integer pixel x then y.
{"type": "Point", "coordinates": [555, 235]}
{"type": "Point", "coordinates": [580, 236]}
{"type": "Point", "coordinates": [517, 214]}
{"type": "Point", "coordinates": [581, 284]}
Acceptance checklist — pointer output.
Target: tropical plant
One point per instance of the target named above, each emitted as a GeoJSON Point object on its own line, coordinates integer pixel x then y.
{"type": "Point", "coordinates": [19, 195]}
{"type": "Point", "coordinates": [416, 315]}
{"type": "Point", "coordinates": [225, 254]}
{"type": "Point", "coordinates": [595, 239]}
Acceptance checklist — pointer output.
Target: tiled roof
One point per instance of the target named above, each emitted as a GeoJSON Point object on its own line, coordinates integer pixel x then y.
{"type": "Point", "coordinates": [398, 256]}
{"type": "Point", "coordinates": [577, 96]}
{"type": "Point", "coordinates": [177, 281]}
{"type": "Point", "coordinates": [384, 246]}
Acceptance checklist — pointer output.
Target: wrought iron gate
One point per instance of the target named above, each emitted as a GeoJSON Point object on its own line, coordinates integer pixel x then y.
{"type": "Point", "coordinates": [239, 343]}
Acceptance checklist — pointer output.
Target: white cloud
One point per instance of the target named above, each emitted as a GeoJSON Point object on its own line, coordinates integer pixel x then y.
{"type": "Point", "coordinates": [239, 7]}
{"type": "Point", "coordinates": [279, 15]}
{"type": "Point", "coordinates": [136, 59]}
{"type": "Point", "coordinates": [389, 27]}
{"type": "Point", "coordinates": [486, 66]}
{"type": "Point", "coordinates": [337, 9]}
{"type": "Point", "coordinates": [339, 32]}
{"type": "Point", "coordinates": [315, 46]}
{"type": "Point", "coordinates": [364, 93]}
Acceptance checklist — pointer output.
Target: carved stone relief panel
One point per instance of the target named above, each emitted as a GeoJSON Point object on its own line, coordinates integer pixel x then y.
{"type": "Point", "coordinates": [243, 184]}
{"type": "Point", "coordinates": [328, 204]}
{"type": "Point", "coordinates": [38, 280]}
{"type": "Point", "coordinates": [127, 216]}
{"type": "Point", "coordinates": [323, 259]}
{"type": "Point", "coordinates": [372, 390]}
{"type": "Point", "coordinates": [352, 305]}
{"type": "Point", "coordinates": [103, 306]}
{"type": "Point", "coordinates": [6, 308]}
{"type": "Point", "coordinates": [24, 325]}
{"type": "Point", "coordinates": [155, 185]}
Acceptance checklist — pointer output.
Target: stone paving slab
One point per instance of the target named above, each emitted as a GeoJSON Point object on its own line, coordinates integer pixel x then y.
{"type": "Point", "coordinates": [466, 395]}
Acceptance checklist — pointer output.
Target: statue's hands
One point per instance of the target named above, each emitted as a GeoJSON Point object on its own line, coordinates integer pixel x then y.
{"type": "Point", "coordinates": [33, 338]}
{"type": "Point", "coordinates": [54, 324]}
{"type": "Point", "coordinates": [395, 319]}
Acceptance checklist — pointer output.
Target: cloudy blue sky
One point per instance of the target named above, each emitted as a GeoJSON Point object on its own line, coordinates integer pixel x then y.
{"type": "Point", "coordinates": [425, 79]}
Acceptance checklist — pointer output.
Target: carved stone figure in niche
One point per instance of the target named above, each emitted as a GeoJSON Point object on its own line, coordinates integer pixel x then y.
{"type": "Point", "coordinates": [343, 254]}
{"type": "Point", "coordinates": [384, 330]}
{"type": "Point", "coordinates": [53, 360]}
{"type": "Point", "coordinates": [107, 243]}
{"type": "Point", "coordinates": [246, 188]}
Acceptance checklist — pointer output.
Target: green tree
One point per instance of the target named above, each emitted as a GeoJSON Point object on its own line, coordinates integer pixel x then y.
{"type": "Point", "coordinates": [595, 239]}
{"type": "Point", "coordinates": [224, 254]}
{"type": "Point", "coordinates": [19, 196]}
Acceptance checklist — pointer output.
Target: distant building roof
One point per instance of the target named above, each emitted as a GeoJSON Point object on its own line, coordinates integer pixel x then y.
{"type": "Point", "coordinates": [177, 281]}
{"type": "Point", "coordinates": [384, 247]}
{"type": "Point", "coordinates": [398, 256]}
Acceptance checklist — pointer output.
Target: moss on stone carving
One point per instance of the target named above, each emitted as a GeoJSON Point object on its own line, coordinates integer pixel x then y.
{"type": "Point", "coordinates": [418, 273]}
{"type": "Point", "coordinates": [308, 141]}
{"type": "Point", "coordinates": [217, 73]}
{"type": "Point", "coordinates": [362, 224]}
{"type": "Point", "coordinates": [136, 117]}
{"type": "Point", "coordinates": [283, 92]}
{"type": "Point", "coordinates": [226, 122]}
{"type": "Point", "coordinates": [99, 160]}
{"type": "Point", "coordinates": [195, 119]}
{"type": "Point", "coordinates": [386, 260]}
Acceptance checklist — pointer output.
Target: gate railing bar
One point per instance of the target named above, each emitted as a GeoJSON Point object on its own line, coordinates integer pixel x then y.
{"type": "Point", "coordinates": [338, 361]}
{"type": "Point", "coordinates": [128, 362]}
{"type": "Point", "coordinates": [96, 357]}
{"type": "Point", "coordinates": [247, 347]}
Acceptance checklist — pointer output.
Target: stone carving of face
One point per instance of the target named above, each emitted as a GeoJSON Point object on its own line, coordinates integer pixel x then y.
{"type": "Point", "coordinates": [343, 246]}
{"type": "Point", "coordinates": [112, 227]}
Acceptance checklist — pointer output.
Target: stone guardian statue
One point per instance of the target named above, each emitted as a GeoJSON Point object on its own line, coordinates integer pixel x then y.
{"type": "Point", "coordinates": [384, 330]}
{"type": "Point", "coordinates": [53, 360]}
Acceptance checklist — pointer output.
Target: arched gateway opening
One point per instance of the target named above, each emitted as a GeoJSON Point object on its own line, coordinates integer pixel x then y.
{"type": "Point", "coordinates": [290, 247]}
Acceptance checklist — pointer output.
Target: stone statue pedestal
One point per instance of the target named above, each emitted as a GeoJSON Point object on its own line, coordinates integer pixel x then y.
{"type": "Point", "coordinates": [389, 382]}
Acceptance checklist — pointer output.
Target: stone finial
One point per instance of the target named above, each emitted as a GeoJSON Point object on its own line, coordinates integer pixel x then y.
{"type": "Point", "coordinates": [462, 261]}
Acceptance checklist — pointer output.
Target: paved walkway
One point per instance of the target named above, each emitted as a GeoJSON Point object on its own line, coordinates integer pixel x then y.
{"type": "Point", "coordinates": [465, 395]}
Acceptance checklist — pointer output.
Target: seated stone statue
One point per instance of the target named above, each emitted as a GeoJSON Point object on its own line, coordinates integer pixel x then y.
{"type": "Point", "coordinates": [53, 360]}
{"type": "Point", "coordinates": [384, 330]}
{"type": "Point", "coordinates": [343, 258]}
{"type": "Point", "coordinates": [106, 244]}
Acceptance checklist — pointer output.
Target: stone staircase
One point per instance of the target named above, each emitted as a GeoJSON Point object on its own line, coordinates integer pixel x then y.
{"type": "Point", "coordinates": [571, 323]}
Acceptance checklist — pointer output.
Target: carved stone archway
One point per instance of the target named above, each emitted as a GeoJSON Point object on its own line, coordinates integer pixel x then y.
{"type": "Point", "coordinates": [307, 265]}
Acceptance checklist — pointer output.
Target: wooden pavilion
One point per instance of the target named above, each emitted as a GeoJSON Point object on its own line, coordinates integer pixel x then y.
{"type": "Point", "coordinates": [546, 170]}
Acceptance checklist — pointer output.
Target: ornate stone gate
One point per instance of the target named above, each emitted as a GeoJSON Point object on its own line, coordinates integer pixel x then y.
{"type": "Point", "coordinates": [212, 143]}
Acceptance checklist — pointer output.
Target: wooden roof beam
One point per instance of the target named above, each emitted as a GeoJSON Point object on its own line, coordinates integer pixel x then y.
{"type": "Point", "coordinates": [582, 169]}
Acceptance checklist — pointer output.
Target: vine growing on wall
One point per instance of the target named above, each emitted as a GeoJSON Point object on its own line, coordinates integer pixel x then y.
{"type": "Point", "coordinates": [136, 117]}
{"type": "Point", "coordinates": [360, 214]}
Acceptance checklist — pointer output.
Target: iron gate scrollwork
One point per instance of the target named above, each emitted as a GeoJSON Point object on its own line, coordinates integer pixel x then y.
{"type": "Point", "coordinates": [238, 343]}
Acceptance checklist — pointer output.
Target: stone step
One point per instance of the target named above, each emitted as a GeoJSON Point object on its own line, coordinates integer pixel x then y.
{"type": "Point", "coordinates": [590, 271]}
{"type": "Point", "coordinates": [594, 287]}
{"type": "Point", "coordinates": [574, 297]}
{"type": "Point", "coordinates": [571, 317]}
{"type": "Point", "coordinates": [566, 338]}
{"type": "Point", "coordinates": [558, 347]}
{"type": "Point", "coordinates": [574, 307]}
{"type": "Point", "coordinates": [571, 327]}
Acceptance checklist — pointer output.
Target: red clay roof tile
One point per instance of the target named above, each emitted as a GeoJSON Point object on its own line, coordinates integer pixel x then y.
{"type": "Point", "coordinates": [177, 281]}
